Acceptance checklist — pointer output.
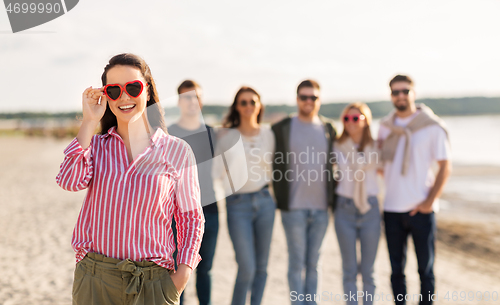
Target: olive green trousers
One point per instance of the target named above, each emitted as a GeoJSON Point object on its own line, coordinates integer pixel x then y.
{"type": "Point", "coordinates": [101, 280]}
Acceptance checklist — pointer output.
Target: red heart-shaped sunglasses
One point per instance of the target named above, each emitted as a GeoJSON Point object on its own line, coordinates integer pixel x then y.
{"type": "Point", "coordinates": [355, 118]}
{"type": "Point", "coordinates": [133, 89]}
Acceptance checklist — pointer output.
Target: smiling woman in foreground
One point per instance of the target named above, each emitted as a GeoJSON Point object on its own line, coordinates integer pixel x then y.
{"type": "Point", "coordinates": [138, 177]}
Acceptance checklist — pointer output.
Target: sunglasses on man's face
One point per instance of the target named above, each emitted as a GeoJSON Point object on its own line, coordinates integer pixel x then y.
{"type": "Point", "coordinates": [306, 97]}
{"type": "Point", "coordinates": [245, 103]}
{"type": "Point", "coordinates": [397, 92]}
{"type": "Point", "coordinates": [355, 118]}
{"type": "Point", "coordinates": [189, 97]}
{"type": "Point", "coordinates": [133, 89]}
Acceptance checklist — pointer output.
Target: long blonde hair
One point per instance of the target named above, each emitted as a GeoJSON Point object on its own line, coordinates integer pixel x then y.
{"type": "Point", "coordinates": [367, 135]}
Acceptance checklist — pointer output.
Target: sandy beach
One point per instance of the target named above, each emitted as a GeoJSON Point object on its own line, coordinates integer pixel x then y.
{"type": "Point", "coordinates": [37, 219]}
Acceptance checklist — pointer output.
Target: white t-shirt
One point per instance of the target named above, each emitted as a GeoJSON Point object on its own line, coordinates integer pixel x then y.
{"type": "Point", "coordinates": [428, 145]}
{"type": "Point", "coordinates": [255, 152]}
{"type": "Point", "coordinates": [345, 186]}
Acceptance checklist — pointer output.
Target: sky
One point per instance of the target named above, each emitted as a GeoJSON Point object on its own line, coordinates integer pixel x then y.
{"type": "Point", "coordinates": [352, 48]}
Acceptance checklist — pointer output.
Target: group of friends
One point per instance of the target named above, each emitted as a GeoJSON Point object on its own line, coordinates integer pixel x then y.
{"type": "Point", "coordinates": [150, 216]}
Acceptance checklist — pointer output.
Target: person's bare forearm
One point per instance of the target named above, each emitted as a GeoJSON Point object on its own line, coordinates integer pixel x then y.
{"type": "Point", "coordinates": [181, 276]}
{"type": "Point", "coordinates": [436, 190]}
{"type": "Point", "coordinates": [184, 269]}
{"type": "Point", "coordinates": [86, 132]}
{"type": "Point", "coordinates": [441, 179]}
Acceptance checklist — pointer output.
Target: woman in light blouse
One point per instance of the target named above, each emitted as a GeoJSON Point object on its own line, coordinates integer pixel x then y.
{"type": "Point", "coordinates": [357, 215]}
{"type": "Point", "coordinates": [250, 207]}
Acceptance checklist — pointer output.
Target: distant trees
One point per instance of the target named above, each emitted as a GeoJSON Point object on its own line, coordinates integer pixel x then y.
{"type": "Point", "coordinates": [443, 107]}
{"type": "Point", "coordinates": [40, 115]}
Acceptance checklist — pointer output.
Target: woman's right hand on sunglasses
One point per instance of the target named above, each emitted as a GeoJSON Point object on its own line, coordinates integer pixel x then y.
{"type": "Point", "coordinates": [93, 111]}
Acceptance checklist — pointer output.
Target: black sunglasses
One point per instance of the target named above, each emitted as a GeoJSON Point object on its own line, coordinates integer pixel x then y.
{"type": "Point", "coordinates": [305, 97]}
{"type": "Point", "coordinates": [244, 103]}
{"type": "Point", "coordinates": [189, 97]}
{"type": "Point", "coordinates": [397, 92]}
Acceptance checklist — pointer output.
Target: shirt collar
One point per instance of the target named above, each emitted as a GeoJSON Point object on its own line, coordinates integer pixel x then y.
{"type": "Point", "coordinates": [111, 132]}
{"type": "Point", "coordinates": [157, 136]}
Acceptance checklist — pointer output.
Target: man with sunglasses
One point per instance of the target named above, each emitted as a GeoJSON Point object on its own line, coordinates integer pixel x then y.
{"type": "Point", "coordinates": [412, 139]}
{"type": "Point", "coordinates": [201, 138]}
{"type": "Point", "coordinates": [304, 188]}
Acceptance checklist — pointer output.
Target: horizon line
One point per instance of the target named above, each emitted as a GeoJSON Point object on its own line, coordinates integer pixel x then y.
{"type": "Point", "coordinates": [267, 104]}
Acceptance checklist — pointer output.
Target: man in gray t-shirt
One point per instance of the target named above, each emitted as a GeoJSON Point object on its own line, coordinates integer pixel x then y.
{"type": "Point", "coordinates": [304, 187]}
{"type": "Point", "coordinates": [309, 148]}
{"type": "Point", "coordinates": [200, 138]}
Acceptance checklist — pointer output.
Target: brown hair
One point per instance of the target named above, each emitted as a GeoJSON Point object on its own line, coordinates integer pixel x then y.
{"type": "Point", "coordinates": [308, 83]}
{"type": "Point", "coordinates": [232, 119]}
{"type": "Point", "coordinates": [188, 84]}
{"type": "Point", "coordinates": [401, 78]}
{"type": "Point", "coordinates": [155, 114]}
{"type": "Point", "coordinates": [367, 136]}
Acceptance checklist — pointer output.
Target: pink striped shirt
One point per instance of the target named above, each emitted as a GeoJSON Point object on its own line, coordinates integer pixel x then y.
{"type": "Point", "coordinates": [127, 212]}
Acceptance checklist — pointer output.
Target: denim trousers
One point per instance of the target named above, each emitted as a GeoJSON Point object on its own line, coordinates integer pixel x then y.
{"type": "Point", "coordinates": [207, 252]}
{"type": "Point", "coordinates": [422, 228]}
{"type": "Point", "coordinates": [350, 226]}
{"type": "Point", "coordinates": [305, 231]}
{"type": "Point", "coordinates": [250, 220]}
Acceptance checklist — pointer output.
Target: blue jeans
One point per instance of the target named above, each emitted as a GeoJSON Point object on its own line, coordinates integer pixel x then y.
{"type": "Point", "coordinates": [350, 226]}
{"type": "Point", "coordinates": [250, 220]}
{"type": "Point", "coordinates": [207, 252]}
{"type": "Point", "coordinates": [305, 231]}
{"type": "Point", "coordinates": [422, 227]}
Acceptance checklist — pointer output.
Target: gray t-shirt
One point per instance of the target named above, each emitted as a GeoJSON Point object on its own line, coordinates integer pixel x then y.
{"type": "Point", "coordinates": [203, 146]}
{"type": "Point", "coordinates": [307, 164]}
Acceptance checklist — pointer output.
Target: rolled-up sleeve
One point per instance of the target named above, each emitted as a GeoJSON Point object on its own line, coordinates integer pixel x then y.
{"type": "Point", "coordinates": [77, 169]}
{"type": "Point", "coordinates": [188, 213]}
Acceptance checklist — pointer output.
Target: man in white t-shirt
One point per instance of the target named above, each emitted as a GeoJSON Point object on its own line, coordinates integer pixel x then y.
{"type": "Point", "coordinates": [412, 139]}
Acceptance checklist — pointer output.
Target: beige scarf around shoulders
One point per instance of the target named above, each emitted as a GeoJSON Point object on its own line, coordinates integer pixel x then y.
{"type": "Point", "coordinates": [425, 118]}
{"type": "Point", "coordinates": [364, 161]}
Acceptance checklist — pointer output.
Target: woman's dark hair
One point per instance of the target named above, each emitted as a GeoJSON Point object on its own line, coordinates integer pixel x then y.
{"type": "Point", "coordinates": [155, 111]}
{"type": "Point", "coordinates": [232, 119]}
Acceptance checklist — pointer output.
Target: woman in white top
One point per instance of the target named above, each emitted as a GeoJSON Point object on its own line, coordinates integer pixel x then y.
{"type": "Point", "coordinates": [246, 172]}
{"type": "Point", "coordinates": [357, 213]}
